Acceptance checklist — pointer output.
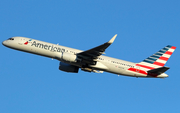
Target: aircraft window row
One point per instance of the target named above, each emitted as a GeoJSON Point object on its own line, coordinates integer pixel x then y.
{"type": "Point", "coordinates": [72, 52]}
{"type": "Point", "coordinates": [11, 39]}
{"type": "Point", "coordinates": [122, 64]}
{"type": "Point", "coordinates": [100, 59]}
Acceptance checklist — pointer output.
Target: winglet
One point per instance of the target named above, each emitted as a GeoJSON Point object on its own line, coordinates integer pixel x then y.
{"type": "Point", "coordinates": [112, 39]}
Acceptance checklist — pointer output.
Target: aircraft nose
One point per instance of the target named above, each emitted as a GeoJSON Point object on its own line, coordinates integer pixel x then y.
{"type": "Point", "coordinates": [4, 42]}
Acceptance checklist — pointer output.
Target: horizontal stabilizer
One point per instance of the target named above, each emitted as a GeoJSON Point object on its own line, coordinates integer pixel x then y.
{"type": "Point", "coordinates": [158, 70]}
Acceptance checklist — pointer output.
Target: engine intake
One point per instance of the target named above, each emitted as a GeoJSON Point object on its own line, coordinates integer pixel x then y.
{"type": "Point", "coordinates": [68, 68]}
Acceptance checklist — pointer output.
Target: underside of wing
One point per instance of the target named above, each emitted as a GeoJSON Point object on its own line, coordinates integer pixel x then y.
{"type": "Point", "coordinates": [91, 55]}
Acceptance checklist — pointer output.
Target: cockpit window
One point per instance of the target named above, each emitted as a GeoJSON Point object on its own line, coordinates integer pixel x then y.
{"type": "Point", "coordinates": [11, 39]}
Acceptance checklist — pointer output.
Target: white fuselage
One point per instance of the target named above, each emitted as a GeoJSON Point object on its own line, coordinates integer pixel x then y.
{"type": "Point", "coordinates": [55, 51]}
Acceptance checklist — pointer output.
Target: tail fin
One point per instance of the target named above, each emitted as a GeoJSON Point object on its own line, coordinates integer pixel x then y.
{"type": "Point", "coordinates": [158, 59]}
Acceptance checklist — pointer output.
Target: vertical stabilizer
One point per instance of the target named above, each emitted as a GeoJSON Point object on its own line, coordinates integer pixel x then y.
{"type": "Point", "coordinates": [158, 59]}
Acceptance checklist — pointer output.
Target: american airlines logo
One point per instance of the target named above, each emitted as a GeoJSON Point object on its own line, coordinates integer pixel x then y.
{"type": "Point", "coordinates": [27, 42]}
{"type": "Point", "coordinates": [48, 47]}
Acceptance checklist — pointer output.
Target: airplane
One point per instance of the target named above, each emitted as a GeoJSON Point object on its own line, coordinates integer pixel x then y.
{"type": "Point", "coordinates": [93, 60]}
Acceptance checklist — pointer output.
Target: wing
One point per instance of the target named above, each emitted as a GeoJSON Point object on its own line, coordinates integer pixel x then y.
{"type": "Point", "coordinates": [92, 54]}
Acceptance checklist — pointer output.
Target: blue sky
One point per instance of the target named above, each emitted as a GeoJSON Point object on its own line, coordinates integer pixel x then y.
{"type": "Point", "coordinates": [33, 84]}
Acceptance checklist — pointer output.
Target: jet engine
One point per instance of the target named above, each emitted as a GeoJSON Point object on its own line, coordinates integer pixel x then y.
{"type": "Point", "coordinates": [68, 68]}
{"type": "Point", "coordinates": [68, 57]}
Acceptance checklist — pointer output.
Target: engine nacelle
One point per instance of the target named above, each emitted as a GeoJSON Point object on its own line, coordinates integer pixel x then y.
{"type": "Point", "coordinates": [68, 68]}
{"type": "Point", "coordinates": [68, 57]}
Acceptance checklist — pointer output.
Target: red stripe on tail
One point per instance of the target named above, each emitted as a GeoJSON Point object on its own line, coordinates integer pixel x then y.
{"type": "Point", "coordinates": [147, 67]}
{"type": "Point", "coordinates": [173, 47]}
{"type": "Point", "coordinates": [168, 52]}
{"type": "Point", "coordinates": [158, 63]}
{"type": "Point", "coordinates": [138, 71]}
{"type": "Point", "coordinates": [163, 58]}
